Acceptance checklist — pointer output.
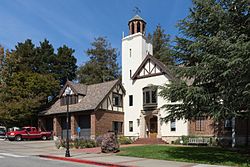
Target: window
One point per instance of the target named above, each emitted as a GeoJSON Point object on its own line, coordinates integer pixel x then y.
{"type": "Point", "coordinates": [73, 99]}
{"type": "Point", "coordinates": [200, 124]}
{"type": "Point", "coordinates": [117, 127]}
{"type": "Point", "coordinates": [130, 52]}
{"type": "Point", "coordinates": [117, 100]}
{"type": "Point", "coordinates": [130, 126]}
{"type": "Point", "coordinates": [172, 125]}
{"type": "Point", "coordinates": [130, 100]}
{"type": "Point", "coordinates": [150, 97]}
{"type": "Point", "coordinates": [130, 73]}
{"type": "Point", "coordinates": [228, 123]}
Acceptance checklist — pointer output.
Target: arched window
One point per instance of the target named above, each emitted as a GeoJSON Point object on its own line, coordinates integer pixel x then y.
{"type": "Point", "coordinates": [133, 27]}
{"type": "Point", "coordinates": [138, 26]}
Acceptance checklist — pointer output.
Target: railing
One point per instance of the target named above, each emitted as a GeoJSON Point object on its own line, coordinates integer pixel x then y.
{"type": "Point", "coordinates": [199, 141]}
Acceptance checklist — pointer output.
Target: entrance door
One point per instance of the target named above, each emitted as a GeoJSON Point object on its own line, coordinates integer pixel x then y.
{"type": "Point", "coordinates": [153, 127]}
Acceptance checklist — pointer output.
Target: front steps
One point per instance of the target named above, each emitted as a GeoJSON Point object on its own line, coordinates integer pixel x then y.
{"type": "Point", "coordinates": [149, 141]}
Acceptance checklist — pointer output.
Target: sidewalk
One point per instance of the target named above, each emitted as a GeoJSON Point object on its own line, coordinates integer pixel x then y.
{"type": "Point", "coordinates": [95, 157]}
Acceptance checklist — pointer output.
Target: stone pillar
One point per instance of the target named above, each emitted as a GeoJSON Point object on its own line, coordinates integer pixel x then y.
{"type": "Point", "coordinates": [57, 130]}
{"type": "Point", "coordinates": [74, 125]}
{"type": "Point", "coordinates": [40, 125]}
{"type": "Point", "coordinates": [159, 125]}
{"type": "Point", "coordinates": [141, 26]}
{"type": "Point", "coordinates": [142, 126]}
{"type": "Point", "coordinates": [130, 28]}
{"type": "Point", "coordinates": [92, 126]}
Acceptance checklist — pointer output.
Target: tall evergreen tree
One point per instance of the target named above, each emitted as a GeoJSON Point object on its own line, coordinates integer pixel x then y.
{"type": "Point", "coordinates": [102, 65]}
{"type": "Point", "coordinates": [65, 64]}
{"type": "Point", "coordinates": [214, 78]}
{"type": "Point", "coordinates": [161, 46]}
{"type": "Point", "coordinates": [28, 75]}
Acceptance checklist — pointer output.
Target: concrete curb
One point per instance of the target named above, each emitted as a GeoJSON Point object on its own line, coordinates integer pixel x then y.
{"type": "Point", "coordinates": [83, 161]}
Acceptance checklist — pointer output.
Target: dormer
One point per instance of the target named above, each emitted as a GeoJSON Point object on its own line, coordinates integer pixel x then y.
{"type": "Point", "coordinates": [73, 92]}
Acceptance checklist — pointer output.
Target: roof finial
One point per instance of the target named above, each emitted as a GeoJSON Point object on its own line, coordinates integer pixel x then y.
{"type": "Point", "coordinates": [136, 10]}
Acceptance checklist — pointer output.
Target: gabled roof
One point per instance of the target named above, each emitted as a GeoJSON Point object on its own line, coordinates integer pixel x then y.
{"type": "Point", "coordinates": [163, 68]}
{"type": "Point", "coordinates": [94, 95]}
{"type": "Point", "coordinates": [77, 88]}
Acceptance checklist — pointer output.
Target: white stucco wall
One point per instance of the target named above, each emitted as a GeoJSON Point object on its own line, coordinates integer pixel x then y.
{"type": "Point", "coordinates": [139, 47]}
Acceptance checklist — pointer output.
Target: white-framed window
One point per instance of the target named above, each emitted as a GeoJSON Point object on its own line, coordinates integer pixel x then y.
{"type": "Point", "coordinates": [200, 123]}
{"type": "Point", "coordinates": [130, 100]}
{"type": "Point", "coordinates": [130, 126]}
{"type": "Point", "coordinates": [173, 125]}
{"type": "Point", "coordinates": [117, 100]}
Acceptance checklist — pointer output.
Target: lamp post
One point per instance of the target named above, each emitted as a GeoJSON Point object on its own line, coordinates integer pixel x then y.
{"type": "Point", "coordinates": [67, 153]}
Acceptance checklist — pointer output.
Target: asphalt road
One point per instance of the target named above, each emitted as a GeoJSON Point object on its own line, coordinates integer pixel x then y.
{"type": "Point", "coordinates": [24, 154]}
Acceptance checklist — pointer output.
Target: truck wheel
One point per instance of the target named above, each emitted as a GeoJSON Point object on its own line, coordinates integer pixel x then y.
{"type": "Point", "coordinates": [44, 138]}
{"type": "Point", "coordinates": [18, 138]}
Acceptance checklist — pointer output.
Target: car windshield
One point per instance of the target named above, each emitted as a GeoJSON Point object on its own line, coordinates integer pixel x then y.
{"type": "Point", "coordinates": [2, 130]}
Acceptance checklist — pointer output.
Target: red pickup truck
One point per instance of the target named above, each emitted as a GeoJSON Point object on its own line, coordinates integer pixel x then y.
{"type": "Point", "coordinates": [28, 133]}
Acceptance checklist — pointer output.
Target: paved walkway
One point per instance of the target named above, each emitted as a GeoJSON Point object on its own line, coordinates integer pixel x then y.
{"type": "Point", "coordinates": [95, 157]}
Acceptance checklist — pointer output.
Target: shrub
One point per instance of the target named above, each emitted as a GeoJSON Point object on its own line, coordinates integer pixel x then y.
{"type": "Point", "coordinates": [77, 143]}
{"type": "Point", "coordinates": [124, 140]}
{"type": "Point", "coordinates": [109, 143]}
{"type": "Point", "coordinates": [99, 140]}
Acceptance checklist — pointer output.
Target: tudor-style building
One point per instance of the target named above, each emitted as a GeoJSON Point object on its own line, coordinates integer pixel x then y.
{"type": "Point", "coordinates": [96, 109]}
{"type": "Point", "coordinates": [141, 75]}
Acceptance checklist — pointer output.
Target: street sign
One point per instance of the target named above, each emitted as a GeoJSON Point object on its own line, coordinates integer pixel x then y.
{"type": "Point", "coordinates": [78, 129]}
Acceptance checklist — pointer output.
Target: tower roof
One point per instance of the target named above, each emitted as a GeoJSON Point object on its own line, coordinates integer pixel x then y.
{"type": "Point", "coordinates": [137, 17]}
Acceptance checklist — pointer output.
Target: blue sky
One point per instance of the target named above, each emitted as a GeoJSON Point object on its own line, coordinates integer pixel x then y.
{"type": "Point", "coordinates": [77, 22]}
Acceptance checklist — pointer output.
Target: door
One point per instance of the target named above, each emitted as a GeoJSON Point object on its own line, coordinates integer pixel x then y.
{"type": "Point", "coordinates": [153, 127]}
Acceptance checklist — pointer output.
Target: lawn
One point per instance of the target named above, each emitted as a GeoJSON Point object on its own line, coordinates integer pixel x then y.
{"type": "Point", "coordinates": [204, 155]}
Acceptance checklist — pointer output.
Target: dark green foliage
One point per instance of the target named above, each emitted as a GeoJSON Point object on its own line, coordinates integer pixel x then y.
{"type": "Point", "coordinates": [24, 96]}
{"type": "Point", "coordinates": [214, 77]}
{"type": "Point", "coordinates": [65, 64]}
{"type": "Point", "coordinates": [28, 76]}
{"type": "Point", "coordinates": [76, 143]}
{"type": "Point", "coordinates": [102, 65]}
{"type": "Point", "coordinates": [161, 46]}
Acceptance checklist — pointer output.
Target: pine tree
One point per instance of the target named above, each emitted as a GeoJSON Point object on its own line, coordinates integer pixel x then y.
{"type": "Point", "coordinates": [65, 64]}
{"type": "Point", "coordinates": [28, 76]}
{"type": "Point", "coordinates": [214, 77]}
{"type": "Point", "coordinates": [161, 46]}
{"type": "Point", "coordinates": [102, 65]}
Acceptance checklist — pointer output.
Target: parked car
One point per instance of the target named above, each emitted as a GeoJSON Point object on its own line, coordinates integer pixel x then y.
{"type": "Point", "coordinates": [28, 133]}
{"type": "Point", "coordinates": [13, 129]}
{"type": "Point", "coordinates": [2, 132]}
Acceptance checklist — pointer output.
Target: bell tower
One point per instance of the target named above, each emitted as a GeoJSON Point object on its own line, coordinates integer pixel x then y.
{"type": "Point", "coordinates": [136, 24]}
{"type": "Point", "coordinates": [135, 47]}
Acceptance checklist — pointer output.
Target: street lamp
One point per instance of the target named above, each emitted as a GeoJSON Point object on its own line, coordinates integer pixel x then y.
{"type": "Point", "coordinates": [67, 92]}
